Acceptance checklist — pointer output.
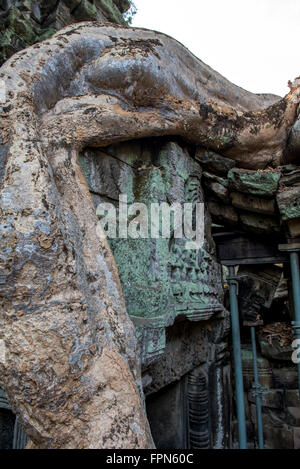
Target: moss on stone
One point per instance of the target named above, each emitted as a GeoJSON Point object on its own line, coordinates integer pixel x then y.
{"type": "Point", "coordinates": [19, 26]}
{"type": "Point", "coordinates": [86, 11]}
{"type": "Point", "coordinates": [291, 211]}
{"type": "Point", "coordinates": [262, 183]}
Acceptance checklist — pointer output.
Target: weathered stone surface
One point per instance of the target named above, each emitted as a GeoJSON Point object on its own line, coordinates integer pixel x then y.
{"type": "Point", "coordinates": [253, 204]}
{"type": "Point", "coordinates": [106, 176]}
{"type": "Point", "coordinates": [211, 161]}
{"type": "Point", "coordinates": [188, 346]}
{"type": "Point", "coordinates": [173, 280]}
{"type": "Point", "coordinates": [259, 224]}
{"type": "Point", "coordinates": [68, 349]}
{"type": "Point", "coordinates": [251, 436]}
{"type": "Point", "coordinates": [217, 186]}
{"type": "Point", "coordinates": [288, 195]}
{"type": "Point", "coordinates": [66, 338]}
{"type": "Point", "coordinates": [257, 287]}
{"type": "Point", "coordinates": [293, 227]}
{"type": "Point", "coordinates": [294, 139]}
{"type": "Point", "coordinates": [290, 175]}
{"type": "Point", "coordinates": [264, 369]}
{"type": "Point", "coordinates": [7, 421]}
{"type": "Point", "coordinates": [166, 413]}
{"type": "Point", "coordinates": [123, 5]}
{"type": "Point", "coordinates": [292, 398]}
{"type": "Point", "coordinates": [293, 416]}
{"type": "Point", "coordinates": [296, 431]}
{"type": "Point", "coordinates": [278, 437]}
{"type": "Point", "coordinates": [112, 9]}
{"type": "Point", "coordinates": [135, 153]}
{"type": "Point", "coordinates": [214, 178]}
{"type": "Point", "coordinates": [275, 351]}
{"type": "Point", "coordinates": [277, 434]}
{"type": "Point", "coordinates": [282, 289]}
{"type": "Point", "coordinates": [218, 190]}
{"type": "Point", "coordinates": [184, 109]}
{"type": "Point", "coordinates": [192, 412]}
{"type": "Point", "coordinates": [223, 214]}
{"type": "Point", "coordinates": [262, 183]}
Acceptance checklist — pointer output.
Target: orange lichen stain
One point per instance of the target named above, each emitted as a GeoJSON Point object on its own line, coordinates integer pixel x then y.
{"type": "Point", "coordinates": [44, 241]}
{"type": "Point", "coordinates": [27, 273]}
{"type": "Point", "coordinates": [221, 110]}
{"type": "Point", "coordinates": [117, 108]}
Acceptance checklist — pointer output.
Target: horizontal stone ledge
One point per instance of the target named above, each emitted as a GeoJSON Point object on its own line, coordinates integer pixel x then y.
{"type": "Point", "coordinates": [293, 227]}
{"type": "Point", "coordinates": [292, 398]}
{"type": "Point", "coordinates": [259, 224]}
{"type": "Point", "coordinates": [253, 204]}
{"type": "Point", "coordinates": [260, 183]}
{"type": "Point", "coordinates": [211, 161]}
{"type": "Point", "coordinates": [272, 398]}
{"type": "Point", "coordinates": [293, 416]}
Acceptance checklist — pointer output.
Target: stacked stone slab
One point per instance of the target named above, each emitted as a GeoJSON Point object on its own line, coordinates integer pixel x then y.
{"type": "Point", "coordinates": [174, 296]}
{"type": "Point", "coordinates": [262, 201]}
{"type": "Point", "coordinates": [288, 199]}
{"type": "Point", "coordinates": [281, 405]}
{"type": "Point", "coordinates": [25, 22]}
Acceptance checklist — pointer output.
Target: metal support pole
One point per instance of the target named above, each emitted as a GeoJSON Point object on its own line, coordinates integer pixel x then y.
{"type": "Point", "coordinates": [257, 392]}
{"type": "Point", "coordinates": [238, 370]}
{"type": "Point", "coordinates": [296, 296]}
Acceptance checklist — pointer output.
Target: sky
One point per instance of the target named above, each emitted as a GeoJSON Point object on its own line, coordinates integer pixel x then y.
{"type": "Point", "coordinates": [253, 43]}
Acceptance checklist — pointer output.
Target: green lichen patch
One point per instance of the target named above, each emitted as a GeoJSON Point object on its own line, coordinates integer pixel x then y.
{"type": "Point", "coordinates": [112, 12]}
{"type": "Point", "coordinates": [262, 183]}
{"type": "Point", "coordinates": [288, 199]}
{"type": "Point", "coordinates": [212, 162]}
{"type": "Point", "coordinates": [161, 278]}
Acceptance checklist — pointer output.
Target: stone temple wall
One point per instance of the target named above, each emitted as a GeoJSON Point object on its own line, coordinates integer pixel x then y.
{"type": "Point", "coordinates": [173, 295]}
{"type": "Point", "coordinates": [25, 22]}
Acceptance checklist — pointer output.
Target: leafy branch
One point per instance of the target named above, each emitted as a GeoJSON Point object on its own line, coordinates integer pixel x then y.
{"type": "Point", "coordinates": [129, 14]}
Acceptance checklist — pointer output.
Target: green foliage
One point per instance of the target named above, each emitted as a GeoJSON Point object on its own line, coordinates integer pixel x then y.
{"type": "Point", "coordinates": [129, 14]}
